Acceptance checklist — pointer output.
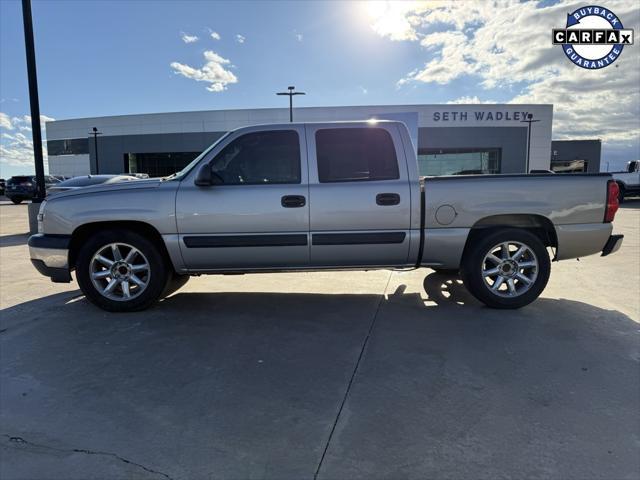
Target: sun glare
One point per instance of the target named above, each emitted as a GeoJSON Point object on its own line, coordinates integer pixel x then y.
{"type": "Point", "coordinates": [375, 9]}
{"type": "Point", "coordinates": [390, 19]}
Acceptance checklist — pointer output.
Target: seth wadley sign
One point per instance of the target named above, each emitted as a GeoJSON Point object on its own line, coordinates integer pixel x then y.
{"type": "Point", "coordinates": [479, 116]}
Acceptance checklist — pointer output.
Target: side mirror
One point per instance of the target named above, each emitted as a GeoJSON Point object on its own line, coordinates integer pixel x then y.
{"type": "Point", "coordinates": [203, 178]}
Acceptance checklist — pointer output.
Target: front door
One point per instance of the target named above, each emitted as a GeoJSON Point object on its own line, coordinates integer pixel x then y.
{"type": "Point", "coordinates": [359, 195]}
{"type": "Point", "coordinates": [256, 215]}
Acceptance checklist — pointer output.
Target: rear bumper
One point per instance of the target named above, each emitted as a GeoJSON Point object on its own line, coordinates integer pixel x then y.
{"type": "Point", "coordinates": [613, 245]}
{"type": "Point", "coordinates": [50, 256]}
{"type": "Point", "coordinates": [19, 192]}
{"type": "Point", "coordinates": [632, 191]}
{"type": "Point", "coordinates": [581, 240]}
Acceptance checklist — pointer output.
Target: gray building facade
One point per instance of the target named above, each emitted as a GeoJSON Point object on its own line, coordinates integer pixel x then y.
{"type": "Point", "coordinates": [576, 155]}
{"type": "Point", "coordinates": [449, 139]}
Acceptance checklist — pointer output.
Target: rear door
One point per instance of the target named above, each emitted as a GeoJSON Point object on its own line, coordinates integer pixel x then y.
{"type": "Point", "coordinates": [359, 195]}
{"type": "Point", "coordinates": [257, 214]}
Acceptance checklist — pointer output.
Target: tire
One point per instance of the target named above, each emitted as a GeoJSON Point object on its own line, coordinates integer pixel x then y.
{"type": "Point", "coordinates": [146, 274]}
{"type": "Point", "coordinates": [16, 200]}
{"type": "Point", "coordinates": [512, 291]}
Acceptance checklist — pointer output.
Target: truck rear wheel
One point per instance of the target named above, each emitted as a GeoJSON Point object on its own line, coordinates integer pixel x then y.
{"type": "Point", "coordinates": [121, 271]}
{"type": "Point", "coordinates": [508, 268]}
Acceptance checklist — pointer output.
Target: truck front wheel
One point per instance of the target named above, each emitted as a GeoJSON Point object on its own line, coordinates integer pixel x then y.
{"type": "Point", "coordinates": [121, 271]}
{"type": "Point", "coordinates": [508, 268]}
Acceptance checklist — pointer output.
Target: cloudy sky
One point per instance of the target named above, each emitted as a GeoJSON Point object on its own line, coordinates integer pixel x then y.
{"type": "Point", "coordinates": [108, 58]}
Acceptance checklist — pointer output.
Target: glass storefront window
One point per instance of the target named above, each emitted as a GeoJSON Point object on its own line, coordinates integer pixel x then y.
{"type": "Point", "coordinates": [70, 146]}
{"type": "Point", "coordinates": [436, 162]}
{"type": "Point", "coordinates": [569, 166]}
{"type": "Point", "coordinates": [157, 164]}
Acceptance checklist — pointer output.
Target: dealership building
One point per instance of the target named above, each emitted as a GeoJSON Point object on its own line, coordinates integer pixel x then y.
{"type": "Point", "coordinates": [449, 138]}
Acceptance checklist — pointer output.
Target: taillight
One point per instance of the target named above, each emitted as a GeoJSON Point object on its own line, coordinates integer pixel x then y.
{"type": "Point", "coordinates": [612, 201]}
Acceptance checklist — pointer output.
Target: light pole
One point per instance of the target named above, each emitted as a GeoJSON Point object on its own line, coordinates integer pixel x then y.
{"type": "Point", "coordinates": [529, 121]}
{"type": "Point", "coordinates": [95, 134]}
{"type": "Point", "coordinates": [36, 133]}
{"type": "Point", "coordinates": [290, 94]}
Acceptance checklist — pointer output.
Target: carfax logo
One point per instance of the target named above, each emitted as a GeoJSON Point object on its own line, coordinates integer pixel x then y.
{"type": "Point", "coordinates": [593, 38]}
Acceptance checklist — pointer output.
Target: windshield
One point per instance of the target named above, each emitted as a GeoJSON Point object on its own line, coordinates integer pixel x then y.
{"type": "Point", "coordinates": [180, 175]}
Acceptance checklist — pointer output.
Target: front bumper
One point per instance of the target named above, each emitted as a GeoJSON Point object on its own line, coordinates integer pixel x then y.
{"type": "Point", "coordinates": [50, 256]}
{"type": "Point", "coordinates": [613, 245]}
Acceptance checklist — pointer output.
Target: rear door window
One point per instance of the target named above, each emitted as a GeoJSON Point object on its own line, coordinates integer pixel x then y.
{"type": "Point", "coordinates": [355, 155]}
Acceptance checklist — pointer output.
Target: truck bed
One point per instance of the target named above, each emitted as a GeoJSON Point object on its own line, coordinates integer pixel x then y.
{"type": "Point", "coordinates": [571, 207]}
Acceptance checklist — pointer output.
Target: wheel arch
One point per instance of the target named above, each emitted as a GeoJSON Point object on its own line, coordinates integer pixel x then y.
{"type": "Point", "coordinates": [83, 232]}
{"type": "Point", "coordinates": [539, 225]}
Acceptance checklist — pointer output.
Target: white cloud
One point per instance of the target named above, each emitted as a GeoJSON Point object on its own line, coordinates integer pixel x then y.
{"type": "Point", "coordinates": [363, 90]}
{"type": "Point", "coordinates": [212, 72]}
{"type": "Point", "coordinates": [299, 37]}
{"type": "Point", "coordinates": [240, 38]}
{"type": "Point", "coordinates": [24, 123]}
{"type": "Point", "coordinates": [470, 100]}
{"type": "Point", "coordinates": [450, 61]}
{"type": "Point", "coordinates": [16, 148]}
{"type": "Point", "coordinates": [5, 121]}
{"type": "Point", "coordinates": [189, 38]}
{"type": "Point", "coordinates": [215, 35]}
{"type": "Point", "coordinates": [506, 44]}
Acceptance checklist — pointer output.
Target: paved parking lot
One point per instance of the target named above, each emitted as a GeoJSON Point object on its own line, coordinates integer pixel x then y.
{"type": "Point", "coordinates": [336, 375]}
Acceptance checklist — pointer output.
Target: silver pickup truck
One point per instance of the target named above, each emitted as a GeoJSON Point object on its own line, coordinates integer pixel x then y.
{"type": "Point", "coordinates": [341, 195]}
{"type": "Point", "coordinates": [628, 181]}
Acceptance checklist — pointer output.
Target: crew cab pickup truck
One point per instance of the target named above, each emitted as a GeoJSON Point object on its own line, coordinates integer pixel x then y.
{"type": "Point", "coordinates": [629, 180]}
{"type": "Point", "coordinates": [300, 197]}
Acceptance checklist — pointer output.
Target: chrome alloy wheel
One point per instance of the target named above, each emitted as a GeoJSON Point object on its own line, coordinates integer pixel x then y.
{"type": "Point", "coordinates": [119, 271]}
{"type": "Point", "coordinates": [510, 269]}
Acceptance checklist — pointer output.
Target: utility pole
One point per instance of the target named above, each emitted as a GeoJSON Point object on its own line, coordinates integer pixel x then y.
{"type": "Point", "coordinates": [290, 94]}
{"type": "Point", "coordinates": [529, 121]}
{"type": "Point", "coordinates": [36, 133]}
{"type": "Point", "coordinates": [95, 134]}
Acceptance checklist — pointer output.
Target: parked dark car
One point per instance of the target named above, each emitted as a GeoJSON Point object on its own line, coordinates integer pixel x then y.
{"type": "Point", "coordinates": [3, 185]}
{"type": "Point", "coordinates": [88, 180]}
{"type": "Point", "coordinates": [23, 187]}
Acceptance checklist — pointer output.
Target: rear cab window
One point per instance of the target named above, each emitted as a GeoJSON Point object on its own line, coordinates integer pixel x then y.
{"type": "Point", "coordinates": [355, 155]}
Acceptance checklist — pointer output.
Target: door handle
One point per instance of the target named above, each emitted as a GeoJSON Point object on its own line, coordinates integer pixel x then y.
{"type": "Point", "coordinates": [293, 201]}
{"type": "Point", "coordinates": [387, 199]}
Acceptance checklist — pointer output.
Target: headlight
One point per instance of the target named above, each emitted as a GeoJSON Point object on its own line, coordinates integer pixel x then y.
{"type": "Point", "coordinates": [41, 217]}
